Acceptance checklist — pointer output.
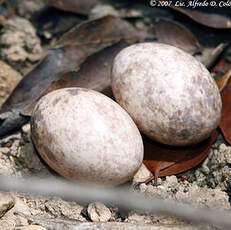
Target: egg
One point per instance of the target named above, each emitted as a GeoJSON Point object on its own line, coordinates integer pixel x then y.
{"type": "Point", "coordinates": [84, 135]}
{"type": "Point", "coordinates": [169, 94]}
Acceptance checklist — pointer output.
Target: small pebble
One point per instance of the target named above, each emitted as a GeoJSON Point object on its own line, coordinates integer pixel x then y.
{"type": "Point", "coordinates": [6, 203]}
{"type": "Point", "coordinates": [171, 180]}
{"type": "Point", "coordinates": [9, 78]}
{"type": "Point", "coordinates": [26, 128]}
{"type": "Point", "coordinates": [143, 187]}
{"type": "Point", "coordinates": [98, 212]}
{"type": "Point", "coordinates": [4, 150]}
{"type": "Point", "coordinates": [142, 174]}
{"type": "Point", "coordinates": [19, 44]}
{"type": "Point", "coordinates": [102, 10]}
{"type": "Point", "coordinates": [26, 132]}
{"type": "Point", "coordinates": [222, 147]}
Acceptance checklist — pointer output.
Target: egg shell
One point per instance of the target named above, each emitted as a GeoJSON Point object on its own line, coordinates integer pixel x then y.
{"type": "Point", "coordinates": [169, 94]}
{"type": "Point", "coordinates": [84, 135]}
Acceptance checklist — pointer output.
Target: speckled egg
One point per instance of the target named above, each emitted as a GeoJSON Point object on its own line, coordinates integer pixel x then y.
{"type": "Point", "coordinates": [169, 94]}
{"type": "Point", "coordinates": [84, 135]}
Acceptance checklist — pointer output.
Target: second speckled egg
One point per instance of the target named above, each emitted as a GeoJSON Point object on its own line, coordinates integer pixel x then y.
{"type": "Point", "coordinates": [169, 94]}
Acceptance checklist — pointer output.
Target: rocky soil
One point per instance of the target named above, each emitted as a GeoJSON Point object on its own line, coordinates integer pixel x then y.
{"type": "Point", "coordinates": [208, 185]}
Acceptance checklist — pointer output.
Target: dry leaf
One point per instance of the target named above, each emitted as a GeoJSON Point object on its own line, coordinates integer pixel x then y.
{"type": "Point", "coordinates": [221, 66]}
{"type": "Point", "coordinates": [71, 51]}
{"type": "Point", "coordinates": [225, 123]}
{"type": "Point", "coordinates": [82, 6]}
{"type": "Point", "coordinates": [163, 160]}
{"type": "Point", "coordinates": [213, 20]}
{"type": "Point", "coordinates": [222, 82]}
{"type": "Point", "coordinates": [94, 73]}
{"type": "Point", "coordinates": [175, 34]}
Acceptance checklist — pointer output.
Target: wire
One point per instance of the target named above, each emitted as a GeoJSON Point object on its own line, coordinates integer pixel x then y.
{"type": "Point", "coordinates": [123, 197]}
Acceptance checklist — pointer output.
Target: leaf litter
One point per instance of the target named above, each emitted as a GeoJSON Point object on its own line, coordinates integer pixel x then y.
{"type": "Point", "coordinates": [71, 51]}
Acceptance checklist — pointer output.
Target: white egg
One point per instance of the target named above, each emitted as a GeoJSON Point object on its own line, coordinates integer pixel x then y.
{"type": "Point", "coordinates": [169, 94]}
{"type": "Point", "coordinates": [84, 135]}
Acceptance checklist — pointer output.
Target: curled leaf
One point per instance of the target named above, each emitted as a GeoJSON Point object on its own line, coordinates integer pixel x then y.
{"type": "Point", "coordinates": [221, 66]}
{"type": "Point", "coordinates": [163, 160]}
{"type": "Point", "coordinates": [94, 73]}
{"type": "Point", "coordinates": [82, 6]}
{"type": "Point", "coordinates": [175, 34]}
{"type": "Point", "coordinates": [222, 82]}
{"type": "Point", "coordinates": [70, 52]}
{"type": "Point", "coordinates": [213, 20]}
{"type": "Point", "coordinates": [225, 123]}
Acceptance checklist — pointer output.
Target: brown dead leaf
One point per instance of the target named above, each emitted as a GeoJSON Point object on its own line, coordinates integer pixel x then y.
{"type": "Point", "coordinates": [225, 123]}
{"type": "Point", "coordinates": [222, 82]}
{"type": "Point", "coordinates": [175, 34]}
{"type": "Point", "coordinates": [94, 73]}
{"type": "Point", "coordinates": [213, 20]}
{"type": "Point", "coordinates": [220, 66]}
{"type": "Point", "coordinates": [81, 6]}
{"type": "Point", "coordinates": [164, 160]}
{"type": "Point", "coordinates": [71, 51]}
{"type": "Point", "coordinates": [94, 35]}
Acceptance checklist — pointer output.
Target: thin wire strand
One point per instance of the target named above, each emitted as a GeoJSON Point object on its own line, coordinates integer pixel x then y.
{"type": "Point", "coordinates": [122, 197]}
